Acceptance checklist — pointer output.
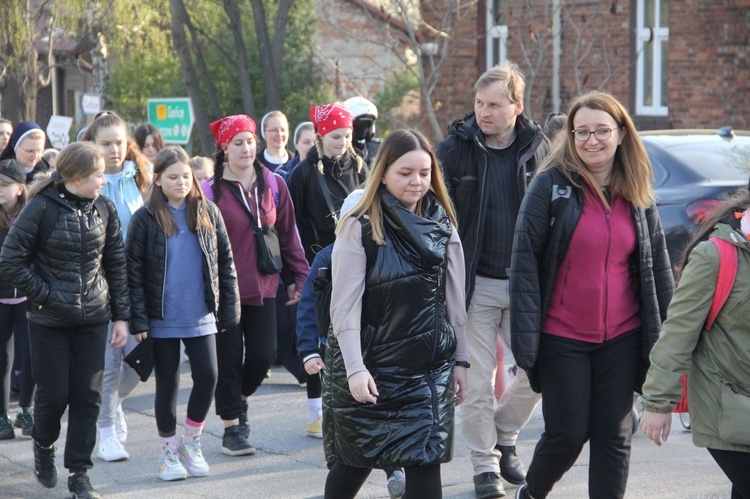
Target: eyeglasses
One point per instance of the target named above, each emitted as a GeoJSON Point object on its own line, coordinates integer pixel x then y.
{"type": "Point", "coordinates": [582, 135]}
{"type": "Point", "coordinates": [277, 130]}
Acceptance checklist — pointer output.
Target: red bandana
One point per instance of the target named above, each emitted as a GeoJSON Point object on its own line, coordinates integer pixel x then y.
{"type": "Point", "coordinates": [331, 117]}
{"type": "Point", "coordinates": [226, 128]}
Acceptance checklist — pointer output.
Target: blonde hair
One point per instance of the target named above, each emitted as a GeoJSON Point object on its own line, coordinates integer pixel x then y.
{"type": "Point", "coordinates": [79, 159]}
{"type": "Point", "coordinates": [395, 146]}
{"type": "Point", "coordinates": [510, 77]}
{"type": "Point", "coordinates": [631, 172]}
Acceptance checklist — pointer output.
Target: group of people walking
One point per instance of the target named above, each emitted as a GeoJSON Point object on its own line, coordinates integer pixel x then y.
{"type": "Point", "coordinates": [430, 254]}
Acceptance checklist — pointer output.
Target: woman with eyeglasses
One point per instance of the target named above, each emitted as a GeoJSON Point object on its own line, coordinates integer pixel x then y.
{"type": "Point", "coordinates": [590, 283]}
{"type": "Point", "coordinates": [274, 129]}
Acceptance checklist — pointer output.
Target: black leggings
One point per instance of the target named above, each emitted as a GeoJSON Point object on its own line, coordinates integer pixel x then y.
{"type": "Point", "coordinates": [735, 465]}
{"type": "Point", "coordinates": [14, 328]}
{"type": "Point", "coordinates": [256, 336]}
{"type": "Point", "coordinates": [201, 351]}
{"type": "Point", "coordinates": [422, 482]}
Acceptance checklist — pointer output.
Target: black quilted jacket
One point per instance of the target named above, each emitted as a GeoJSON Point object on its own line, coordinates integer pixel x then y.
{"type": "Point", "coordinates": [542, 237]}
{"type": "Point", "coordinates": [78, 276]}
{"type": "Point", "coordinates": [147, 256]}
{"type": "Point", "coordinates": [407, 345]}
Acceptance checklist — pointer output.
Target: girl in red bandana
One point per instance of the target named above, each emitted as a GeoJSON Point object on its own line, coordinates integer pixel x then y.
{"type": "Point", "coordinates": [247, 193]}
{"type": "Point", "coordinates": [322, 181]}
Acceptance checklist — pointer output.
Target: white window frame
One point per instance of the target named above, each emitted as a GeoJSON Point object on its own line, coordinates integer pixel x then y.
{"type": "Point", "coordinates": [657, 34]}
{"type": "Point", "coordinates": [495, 32]}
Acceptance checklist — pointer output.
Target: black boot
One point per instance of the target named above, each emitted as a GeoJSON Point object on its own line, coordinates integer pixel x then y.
{"type": "Point", "coordinates": [80, 487]}
{"type": "Point", "coordinates": [511, 467]}
{"type": "Point", "coordinates": [45, 470]}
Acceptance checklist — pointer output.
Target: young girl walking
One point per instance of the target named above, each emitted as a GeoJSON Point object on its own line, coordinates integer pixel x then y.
{"type": "Point", "coordinates": [182, 284]}
{"type": "Point", "coordinates": [70, 304]}
{"type": "Point", "coordinates": [128, 179]}
{"type": "Point", "coordinates": [13, 321]}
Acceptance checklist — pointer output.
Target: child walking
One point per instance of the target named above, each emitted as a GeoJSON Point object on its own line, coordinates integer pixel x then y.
{"type": "Point", "coordinates": [70, 304]}
{"type": "Point", "coordinates": [128, 179]}
{"type": "Point", "coordinates": [183, 284]}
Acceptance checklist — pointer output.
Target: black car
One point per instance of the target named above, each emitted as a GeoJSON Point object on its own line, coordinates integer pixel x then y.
{"type": "Point", "coordinates": [694, 170]}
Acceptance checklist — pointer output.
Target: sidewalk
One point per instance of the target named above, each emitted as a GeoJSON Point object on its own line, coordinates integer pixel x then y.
{"type": "Point", "coordinates": [288, 464]}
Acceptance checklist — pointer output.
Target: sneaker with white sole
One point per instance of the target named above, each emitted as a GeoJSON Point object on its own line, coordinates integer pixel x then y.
{"type": "Point", "coordinates": [191, 456]}
{"type": "Point", "coordinates": [110, 449]}
{"type": "Point", "coordinates": [315, 428]}
{"type": "Point", "coordinates": [121, 426]}
{"type": "Point", "coordinates": [396, 484]}
{"type": "Point", "coordinates": [170, 467]}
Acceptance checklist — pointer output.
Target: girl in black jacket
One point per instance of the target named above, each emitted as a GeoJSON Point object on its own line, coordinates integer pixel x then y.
{"type": "Point", "coordinates": [73, 273]}
{"type": "Point", "coordinates": [182, 284]}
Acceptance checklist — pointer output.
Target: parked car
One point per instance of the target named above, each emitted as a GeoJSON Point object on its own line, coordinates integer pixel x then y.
{"type": "Point", "coordinates": [694, 170]}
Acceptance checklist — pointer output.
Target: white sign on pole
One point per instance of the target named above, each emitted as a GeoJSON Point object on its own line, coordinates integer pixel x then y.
{"type": "Point", "coordinates": [91, 103]}
{"type": "Point", "coordinates": [58, 130]}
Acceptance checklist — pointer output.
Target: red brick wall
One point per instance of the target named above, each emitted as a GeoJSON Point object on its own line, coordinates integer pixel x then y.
{"type": "Point", "coordinates": [349, 34]}
{"type": "Point", "coordinates": [709, 64]}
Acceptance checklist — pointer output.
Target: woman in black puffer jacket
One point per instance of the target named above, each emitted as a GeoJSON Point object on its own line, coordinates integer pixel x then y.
{"type": "Point", "coordinates": [75, 279]}
{"type": "Point", "coordinates": [396, 361]}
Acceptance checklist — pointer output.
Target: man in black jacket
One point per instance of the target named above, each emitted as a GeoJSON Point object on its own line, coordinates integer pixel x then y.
{"type": "Point", "coordinates": [488, 161]}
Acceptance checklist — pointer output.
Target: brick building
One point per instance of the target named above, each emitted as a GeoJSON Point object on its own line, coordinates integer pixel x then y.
{"type": "Point", "coordinates": [353, 46]}
{"type": "Point", "coordinates": [674, 64]}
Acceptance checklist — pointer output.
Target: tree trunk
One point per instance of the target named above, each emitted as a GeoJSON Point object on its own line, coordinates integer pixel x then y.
{"type": "Point", "coordinates": [205, 74]}
{"type": "Point", "coordinates": [232, 9]}
{"type": "Point", "coordinates": [271, 83]}
{"type": "Point", "coordinates": [179, 38]}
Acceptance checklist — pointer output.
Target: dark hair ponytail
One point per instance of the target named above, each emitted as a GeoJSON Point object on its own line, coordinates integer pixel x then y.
{"type": "Point", "coordinates": [261, 182]}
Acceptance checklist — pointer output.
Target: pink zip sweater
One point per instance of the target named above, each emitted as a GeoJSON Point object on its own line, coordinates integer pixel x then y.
{"type": "Point", "coordinates": [595, 297]}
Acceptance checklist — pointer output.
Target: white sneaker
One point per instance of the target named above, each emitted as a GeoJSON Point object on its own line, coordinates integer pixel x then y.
{"type": "Point", "coordinates": [111, 449]}
{"type": "Point", "coordinates": [170, 468]}
{"type": "Point", "coordinates": [121, 427]}
{"type": "Point", "coordinates": [191, 456]}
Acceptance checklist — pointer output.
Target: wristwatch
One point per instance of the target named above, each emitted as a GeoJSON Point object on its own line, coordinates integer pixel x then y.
{"type": "Point", "coordinates": [463, 363]}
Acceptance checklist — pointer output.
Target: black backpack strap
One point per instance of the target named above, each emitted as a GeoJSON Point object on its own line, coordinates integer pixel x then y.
{"type": "Point", "coordinates": [49, 218]}
{"type": "Point", "coordinates": [326, 192]}
{"type": "Point", "coordinates": [368, 243]}
{"type": "Point", "coordinates": [101, 206]}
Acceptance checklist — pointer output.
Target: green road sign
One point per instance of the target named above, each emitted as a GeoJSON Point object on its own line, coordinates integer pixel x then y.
{"type": "Point", "coordinates": [173, 117]}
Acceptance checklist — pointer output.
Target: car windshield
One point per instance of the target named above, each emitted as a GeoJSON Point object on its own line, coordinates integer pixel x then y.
{"type": "Point", "coordinates": [718, 160]}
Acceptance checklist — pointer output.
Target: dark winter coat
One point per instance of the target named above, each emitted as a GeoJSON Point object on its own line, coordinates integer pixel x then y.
{"type": "Point", "coordinates": [464, 159]}
{"type": "Point", "coordinates": [408, 347]}
{"type": "Point", "coordinates": [549, 215]}
{"type": "Point", "coordinates": [6, 290]}
{"type": "Point", "coordinates": [147, 266]}
{"type": "Point", "coordinates": [316, 224]}
{"type": "Point", "coordinates": [79, 276]}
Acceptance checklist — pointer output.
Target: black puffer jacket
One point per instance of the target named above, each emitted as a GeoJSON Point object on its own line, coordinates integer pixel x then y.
{"type": "Point", "coordinates": [549, 215]}
{"type": "Point", "coordinates": [6, 290]}
{"type": "Point", "coordinates": [147, 266]}
{"type": "Point", "coordinates": [79, 275]}
{"type": "Point", "coordinates": [464, 159]}
{"type": "Point", "coordinates": [316, 224]}
{"type": "Point", "coordinates": [408, 347]}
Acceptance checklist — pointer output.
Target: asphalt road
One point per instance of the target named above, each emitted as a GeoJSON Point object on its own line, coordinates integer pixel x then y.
{"type": "Point", "coordinates": [288, 464]}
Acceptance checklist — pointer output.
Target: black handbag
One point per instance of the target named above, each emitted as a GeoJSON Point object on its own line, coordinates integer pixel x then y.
{"type": "Point", "coordinates": [269, 251]}
{"type": "Point", "coordinates": [266, 238]}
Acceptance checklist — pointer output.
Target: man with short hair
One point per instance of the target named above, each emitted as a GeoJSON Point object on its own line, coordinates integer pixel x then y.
{"type": "Point", "coordinates": [488, 161]}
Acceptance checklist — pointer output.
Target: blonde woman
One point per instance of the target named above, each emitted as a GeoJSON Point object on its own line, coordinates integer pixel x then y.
{"type": "Point", "coordinates": [397, 251]}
